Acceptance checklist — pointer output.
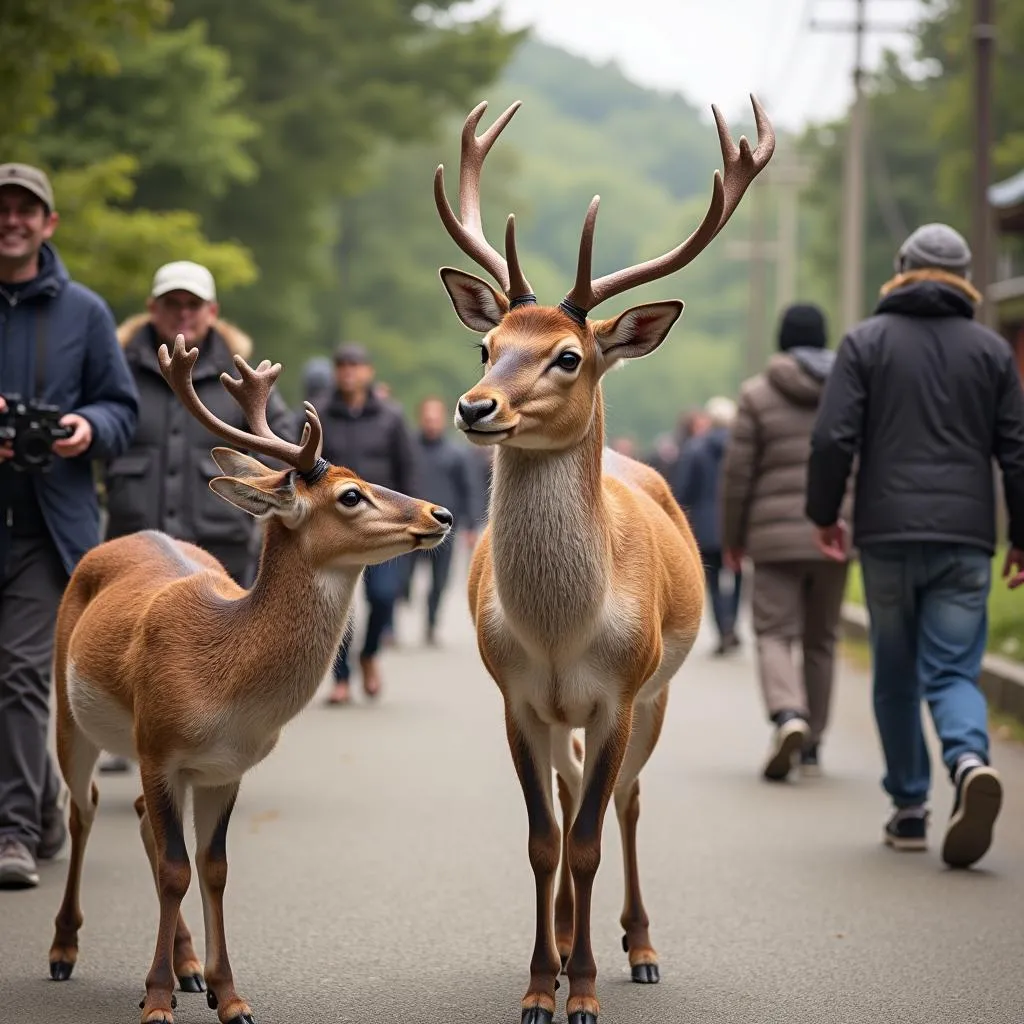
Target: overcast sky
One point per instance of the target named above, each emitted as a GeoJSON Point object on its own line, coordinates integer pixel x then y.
{"type": "Point", "coordinates": [719, 51]}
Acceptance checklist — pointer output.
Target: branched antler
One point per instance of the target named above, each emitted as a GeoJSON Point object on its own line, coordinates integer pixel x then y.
{"type": "Point", "coordinates": [252, 393]}
{"type": "Point", "coordinates": [742, 165]}
{"type": "Point", "coordinates": [468, 232]}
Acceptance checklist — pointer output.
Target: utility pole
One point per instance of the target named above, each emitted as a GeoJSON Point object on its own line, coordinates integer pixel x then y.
{"type": "Point", "coordinates": [983, 32]}
{"type": "Point", "coordinates": [852, 261]}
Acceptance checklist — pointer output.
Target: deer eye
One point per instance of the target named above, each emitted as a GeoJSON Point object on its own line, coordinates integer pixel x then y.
{"type": "Point", "coordinates": [350, 498]}
{"type": "Point", "coordinates": [568, 361]}
{"type": "Point", "coordinates": [483, 354]}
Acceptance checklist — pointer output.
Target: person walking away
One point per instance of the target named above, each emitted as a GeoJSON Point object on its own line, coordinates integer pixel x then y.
{"type": "Point", "coordinates": [798, 591]}
{"type": "Point", "coordinates": [317, 384]}
{"type": "Point", "coordinates": [448, 477]}
{"type": "Point", "coordinates": [698, 490]}
{"type": "Point", "coordinates": [162, 481]}
{"type": "Point", "coordinates": [57, 347]}
{"type": "Point", "coordinates": [369, 436]}
{"type": "Point", "coordinates": [925, 397]}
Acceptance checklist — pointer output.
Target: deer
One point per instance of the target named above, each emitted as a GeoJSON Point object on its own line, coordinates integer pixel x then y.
{"type": "Point", "coordinates": [160, 656]}
{"type": "Point", "coordinates": [587, 588]}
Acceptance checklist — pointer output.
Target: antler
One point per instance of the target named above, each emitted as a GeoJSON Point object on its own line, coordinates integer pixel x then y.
{"type": "Point", "coordinates": [468, 232]}
{"type": "Point", "coordinates": [252, 393]}
{"type": "Point", "coordinates": [741, 167]}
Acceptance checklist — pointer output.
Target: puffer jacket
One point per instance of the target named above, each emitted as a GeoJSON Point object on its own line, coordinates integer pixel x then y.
{"type": "Point", "coordinates": [162, 481]}
{"type": "Point", "coordinates": [764, 479]}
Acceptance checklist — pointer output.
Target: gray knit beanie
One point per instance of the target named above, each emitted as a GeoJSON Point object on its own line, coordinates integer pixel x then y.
{"type": "Point", "coordinates": [935, 246]}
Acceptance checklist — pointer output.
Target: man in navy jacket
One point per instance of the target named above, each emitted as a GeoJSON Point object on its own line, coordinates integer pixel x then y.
{"type": "Point", "coordinates": [57, 345]}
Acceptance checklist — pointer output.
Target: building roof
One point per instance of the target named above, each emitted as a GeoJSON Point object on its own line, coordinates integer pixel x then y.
{"type": "Point", "coordinates": [1007, 199]}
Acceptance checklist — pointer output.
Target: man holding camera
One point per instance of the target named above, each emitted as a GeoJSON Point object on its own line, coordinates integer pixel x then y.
{"type": "Point", "coordinates": [66, 398]}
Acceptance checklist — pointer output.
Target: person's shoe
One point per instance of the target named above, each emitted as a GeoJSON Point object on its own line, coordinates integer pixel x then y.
{"type": "Point", "coordinates": [432, 636]}
{"type": "Point", "coordinates": [809, 764]}
{"type": "Point", "coordinates": [979, 796]}
{"type": "Point", "coordinates": [17, 865]}
{"type": "Point", "coordinates": [791, 732]}
{"type": "Point", "coordinates": [340, 695]}
{"type": "Point", "coordinates": [371, 676]}
{"type": "Point", "coordinates": [907, 829]}
{"type": "Point", "coordinates": [114, 764]}
{"type": "Point", "coordinates": [54, 832]}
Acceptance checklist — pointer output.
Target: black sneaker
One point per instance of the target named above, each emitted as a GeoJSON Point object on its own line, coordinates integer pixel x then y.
{"type": "Point", "coordinates": [979, 796]}
{"type": "Point", "coordinates": [809, 764]}
{"type": "Point", "coordinates": [791, 732]}
{"type": "Point", "coordinates": [907, 829]}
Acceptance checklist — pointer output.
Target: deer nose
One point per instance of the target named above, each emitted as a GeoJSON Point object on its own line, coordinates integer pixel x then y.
{"type": "Point", "coordinates": [443, 516]}
{"type": "Point", "coordinates": [474, 412]}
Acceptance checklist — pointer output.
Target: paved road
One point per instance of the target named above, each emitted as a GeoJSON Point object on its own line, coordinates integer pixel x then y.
{"type": "Point", "coordinates": [379, 873]}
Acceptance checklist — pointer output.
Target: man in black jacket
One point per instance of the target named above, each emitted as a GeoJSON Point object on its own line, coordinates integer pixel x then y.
{"type": "Point", "coordinates": [450, 480]}
{"type": "Point", "coordinates": [368, 435]}
{"type": "Point", "coordinates": [927, 398]}
{"type": "Point", "coordinates": [162, 481]}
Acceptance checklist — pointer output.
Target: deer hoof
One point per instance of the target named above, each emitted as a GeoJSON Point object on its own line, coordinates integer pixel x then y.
{"type": "Point", "coordinates": [537, 1015]}
{"type": "Point", "coordinates": [60, 970]}
{"type": "Point", "coordinates": [211, 999]}
{"type": "Point", "coordinates": [625, 943]}
{"type": "Point", "coordinates": [646, 974]}
{"type": "Point", "coordinates": [582, 1017]}
{"type": "Point", "coordinates": [192, 983]}
{"type": "Point", "coordinates": [243, 1018]}
{"type": "Point", "coordinates": [174, 1003]}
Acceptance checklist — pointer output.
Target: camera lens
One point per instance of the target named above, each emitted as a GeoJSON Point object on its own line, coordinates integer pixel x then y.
{"type": "Point", "coordinates": [34, 447]}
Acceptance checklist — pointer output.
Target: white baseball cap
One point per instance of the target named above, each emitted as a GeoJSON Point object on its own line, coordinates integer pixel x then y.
{"type": "Point", "coordinates": [184, 276]}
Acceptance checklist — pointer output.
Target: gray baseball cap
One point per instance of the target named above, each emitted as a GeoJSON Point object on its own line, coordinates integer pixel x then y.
{"type": "Point", "coordinates": [936, 246]}
{"type": "Point", "coordinates": [30, 178]}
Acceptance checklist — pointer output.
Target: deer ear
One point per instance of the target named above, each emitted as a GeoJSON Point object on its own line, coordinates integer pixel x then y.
{"type": "Point", "coordinates": [479, 306]}
{"type": "Point", "coordinates": [272, 494]}
{"type": "Point", "coordinates": [638, 331]}
{"type": "Point", "coordinates": [234, 463]}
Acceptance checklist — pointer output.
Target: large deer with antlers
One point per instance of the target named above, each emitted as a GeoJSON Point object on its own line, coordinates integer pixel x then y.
{"type": "Point", "coordinates": [162, 657]}
{"type": "Point", "coordinates": [587, 588]}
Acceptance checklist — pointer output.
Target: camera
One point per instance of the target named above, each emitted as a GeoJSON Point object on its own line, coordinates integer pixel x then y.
{"type": "Point", "coordinates": [31, 428]}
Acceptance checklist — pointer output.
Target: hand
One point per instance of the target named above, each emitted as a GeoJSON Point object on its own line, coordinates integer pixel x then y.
{"type": "Point", "coordinates": [1015, 563]}
{"type": "Point", "coordinates": [80, 439]}
{"type": "Point", "coordinates": [832, 540]}
{"type": "Point", "coordinates": [733, 559]}
{"type": "Point", "coordinates": [6, 451]}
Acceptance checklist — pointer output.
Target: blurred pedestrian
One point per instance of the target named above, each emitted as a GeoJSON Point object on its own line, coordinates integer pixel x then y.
{"type": "Point", "coordinates": [368, 435]}
{"type": "Point", "coordinates": [698, 490]}
{"type": "Point", "coordinates": [449, 479]}
{"type": "Point", "coordinates": [798, 592]}
{"type": "Point", "coordinates": [664, 455]}
{"type": "Point", "coordinates": [925, 397]}
{"type": "Point", "coordinates": [317, 383]}
{"type": "Point", "coordinates": [59, 348]}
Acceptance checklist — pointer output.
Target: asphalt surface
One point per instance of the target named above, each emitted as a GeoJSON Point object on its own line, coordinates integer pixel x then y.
{"type": "Point", "coordinates": [378, 872]}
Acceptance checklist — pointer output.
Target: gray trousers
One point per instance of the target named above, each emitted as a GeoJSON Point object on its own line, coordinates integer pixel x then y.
{"type": "Point", "coordinates": [30, 591]}
{"type": "Point", "coordinates": [798, 602]}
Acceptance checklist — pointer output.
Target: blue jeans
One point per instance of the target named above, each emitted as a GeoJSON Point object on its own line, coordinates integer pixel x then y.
{"type": "Point", "coordinates": [725, 607]}
{"type": "Point", "coordinates": [383, 583]}
{"type": "Point", "coordinates": [927, 603]}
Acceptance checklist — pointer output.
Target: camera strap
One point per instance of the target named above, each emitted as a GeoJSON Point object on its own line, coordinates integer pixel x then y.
{"type": "Point", "coordinates": [41, 319]}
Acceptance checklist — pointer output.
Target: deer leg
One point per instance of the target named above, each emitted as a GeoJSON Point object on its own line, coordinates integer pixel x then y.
{"type": "Point", "coordinates": [530, 743]}
{"type": "Point", "coordinates": [213, 806]}
{"type": "Point", "coordinates": [163, 803]}
{"type": "Point", "coordinates": [567, 754]}
{"type": "Point", "coordinates": [186, 964]}
{"type": "Point", "coordinates": [77, 756]}
{"type": "Point", "coordinates": [605, 749]}
{"type": "Point", "coordinates": [647, 721]}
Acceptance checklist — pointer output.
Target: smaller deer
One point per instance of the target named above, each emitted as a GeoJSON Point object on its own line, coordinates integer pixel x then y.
{"type": "Point", "coordinates": [162, 657]}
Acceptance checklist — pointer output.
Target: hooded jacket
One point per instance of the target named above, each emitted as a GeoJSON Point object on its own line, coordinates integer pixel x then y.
{"type": "Point", "coordinates": [85, 373]}
{"type": "Point", "coordinates": [764, 480]}
{"type": "Point", "coordinates": [162, 481]}
{"type": "Point", "coordinates": [926, 397]}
